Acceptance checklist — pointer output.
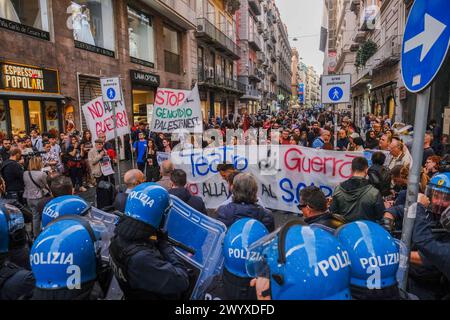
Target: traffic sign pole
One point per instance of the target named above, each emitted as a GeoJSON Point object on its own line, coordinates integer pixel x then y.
{"type": "Point", "coordinates": [114, 105]}
{"type": "Point", "coordinates": [409, 217]}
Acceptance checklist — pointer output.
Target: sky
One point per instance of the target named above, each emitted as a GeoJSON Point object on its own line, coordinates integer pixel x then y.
{"type": "Point", "coordinates": [304, 18]}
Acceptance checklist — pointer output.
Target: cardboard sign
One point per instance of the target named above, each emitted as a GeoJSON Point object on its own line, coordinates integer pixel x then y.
{"type": "Point", "coordinates": [100, 118]}
{"type": "Point", "coordinates": [177, 111]}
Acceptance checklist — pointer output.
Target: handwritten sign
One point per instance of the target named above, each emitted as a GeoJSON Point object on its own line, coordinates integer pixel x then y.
{"type": "Point", "coordinates": [177, 111]}
{"type": "Point", "coordinates": [281, 172]}
{"type": "Point", "coordinates": [100, 119]}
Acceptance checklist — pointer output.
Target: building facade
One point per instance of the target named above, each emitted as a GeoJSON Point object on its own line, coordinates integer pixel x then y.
{"type": "Point", "coordinates": [283, 65]}
{"type": "Point", "coordinates": [55, 52]}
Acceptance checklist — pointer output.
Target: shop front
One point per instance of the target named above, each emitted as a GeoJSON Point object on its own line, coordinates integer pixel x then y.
{"type": "Point", "coordinates": [29, 99]}
{"type": "Point", "coordinates": [383, 100]}
{"type": "Point", "coordinates": [144, 86]}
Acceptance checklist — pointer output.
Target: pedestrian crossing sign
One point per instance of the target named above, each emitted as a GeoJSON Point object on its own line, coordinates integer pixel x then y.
{"type": "Point", "coordinates": [336, 88]}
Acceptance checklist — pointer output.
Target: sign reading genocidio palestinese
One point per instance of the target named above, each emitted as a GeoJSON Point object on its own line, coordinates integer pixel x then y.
{"type": "Point", "coordinates": [177, 111]}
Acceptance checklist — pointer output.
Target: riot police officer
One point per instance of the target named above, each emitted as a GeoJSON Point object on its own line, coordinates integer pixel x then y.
{"type": "Point", "coordinates": [66, 262]}
{"type": "Point", "coordinates": [430, 272]}
{"type": "Point", "coordinates": [15, 282]}
{"type": "Point", "coordinates": [143, 261]}
{"type": "Point", "coordinates": [234, 282]}
{"type": "Point", "coordinates": [64, 205]}
{"type": "Point", "coordinates": [299, 262]}
{"type": "Point", "coordinates": [375, 259]}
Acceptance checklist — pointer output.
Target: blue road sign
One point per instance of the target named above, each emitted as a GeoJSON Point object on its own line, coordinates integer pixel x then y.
{"type": "Point", "coordinates": [425, 43]}
{"type": "Point", "coordinates": [336, 93]}
{"type": "Point", "coordinates": [111, 93]}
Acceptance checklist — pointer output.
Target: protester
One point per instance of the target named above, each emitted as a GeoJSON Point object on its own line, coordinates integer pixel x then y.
{"type": "Point", "coordinates": [245, 197]}
{"type": "Point", "coordinates": [12, 173]}
{"type": "Point", "coordinates": [95, 157]}
{"type": "Point", "coordinates": [132, 178]}
{"type": "Point", "coordinates": [379, 175]}
{"type": "Point", "coordinates": [36, 140]}
{"type": "Point", "coordinates": [75, 154]}
{"type": "Point", "coordinates": [356, 199]}
{"type": "Point", "coordinates": [320, 141]}
{"type": "Point", "coordinates": [179, 181]}
{"type": "Point", "coordinates": [36, 188]}
{"type": "Point", "coordinates": [432, 165]}
{"type": "Point", "coordinates": [427, 149]}
{"type": "Point", "coordinates": [6, 147]}
{"type": "Point", "coordinates": [140, 149]}
{"type": "Point", "coordinates": [166, 171]}
{"type": "Point", "coordinates": [399, 156]}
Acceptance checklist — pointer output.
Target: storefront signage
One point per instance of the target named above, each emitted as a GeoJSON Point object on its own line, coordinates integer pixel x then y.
{"type": "Point", "coordinates": [91, 48]}
{"type": "Point", "coordinates": [30, 31]}
{"type": "Point", "coordinates": [148, 79]}
{"type": "Point", "coordinates": [16, 77]}
{"type": "Point", "coordinates": [142, 62]}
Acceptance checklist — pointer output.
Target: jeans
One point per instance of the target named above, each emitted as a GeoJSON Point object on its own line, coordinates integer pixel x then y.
{"type": "Point", "coordinates": [76, 175]}
{"type": "Point", "coordinates": [33, 205]}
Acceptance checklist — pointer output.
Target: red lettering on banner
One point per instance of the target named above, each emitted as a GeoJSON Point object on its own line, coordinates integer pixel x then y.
{"type": "Point", "coordinates": [99, 128]}
{"type": "Point", "coordinates": [173, 100]}
{"type": "Point", "coordinates": [295, 160]}
{"type": "Point", "coordinates": [96, 110]}
{"type": "Point", "coordinates": [181, 97]}
{"type": "Point", "coordinates": [160, 98]}
{"type": "Point", "coordinates": [193, 189]}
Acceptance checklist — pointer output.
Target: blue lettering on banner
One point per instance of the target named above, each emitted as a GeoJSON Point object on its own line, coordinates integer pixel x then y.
{"type": "Point", "coordinates": [287, 186]}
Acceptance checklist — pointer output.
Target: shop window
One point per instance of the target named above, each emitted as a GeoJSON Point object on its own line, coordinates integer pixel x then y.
{"type": "Point", "coordinates": [142, 103]}
{"type": "Point", "coordinates": [93, 22]}
{"type": "Point", "coordinates": [32, 13]}
{"type": "Point", "coordinates": [172, 58]}
{"type": "Point", "coordinates": [17, 113]}
{"type": "Point", "coordinates": [34, 108]}
{"type": "Point", "coordinates": [3, 123]}
{"type": "Point", "coordinates": [51, 117]}
{"type": "Point", "coordinates": [140, 31]}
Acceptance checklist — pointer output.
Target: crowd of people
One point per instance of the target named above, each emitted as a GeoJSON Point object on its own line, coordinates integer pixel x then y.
{"type": "Point", "coordinates": [42, 174]}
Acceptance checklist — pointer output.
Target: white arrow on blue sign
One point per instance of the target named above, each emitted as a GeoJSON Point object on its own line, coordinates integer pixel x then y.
{"type": "Point", "coordinates": [425, 43]}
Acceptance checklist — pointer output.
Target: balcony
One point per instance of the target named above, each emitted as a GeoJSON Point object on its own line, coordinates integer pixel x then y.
{"type": "Point", "coordinates": [355, 5]}
{"type": "Point", "coordinates": [252, 94]}
{"type": "Point", "coordinates": [386, 56]}
{"type": "Point", "coordinates": [207, 32]}
{"type": "Point", "coordinates": [255, 6]}
{"type": "Point", "coordinates": [260, 56]}
{"type": "Point", "coordinates": [254, 42]}
{"type": "Point", "coordinates": [273, 55]}
{"type": "Point", "coordinates": [260, 27]}
{"type": "Point", "coordinates": [177, 11]}
{"type": "Point", "coordinates": [266, 36]}
{"type": "Point", "coordinates": [255, 74]}
{"type": "Point", "coordinates": [209, 78]}
{"type": "Point", "coordinates": [272, 38]}
{"type": "Point", "coordinates": [360, 36]}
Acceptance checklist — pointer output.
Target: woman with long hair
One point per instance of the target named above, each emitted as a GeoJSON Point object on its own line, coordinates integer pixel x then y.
{"type": "Point", "coordinates": [75, 153]}
{"type": "Point", "coordinates": [86, 144]}
{"type": "Point", "coordinates": [152, 167]}
{"type": "Point", "coordinates": [36, 188]}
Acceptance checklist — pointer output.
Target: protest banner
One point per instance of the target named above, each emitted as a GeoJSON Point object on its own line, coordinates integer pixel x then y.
{"type": "Point", "coordinates": [177, 111]}
{"type": "Point", "coordinates": [281, 173]}
{"type": "Point", "coordinates": [162, 156]}
{"type": "Point", "coordinates": [100, 118]}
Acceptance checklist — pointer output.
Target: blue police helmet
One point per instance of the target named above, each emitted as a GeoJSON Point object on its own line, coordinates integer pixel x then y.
{"type": "Point", "coordinates": [302, 263]}
{"type": "Point", "coordinates": [11, 220]}
{"type": "Point", "coordinates": [62, 206]}
{"type": "Point", "coordinates": [148, 203]}
{"type": "Point", "coordinates": [373, 253]}
{"type": "Point", "coordinates": [239, 237]}
{"type": "Point", "coordinates": [64, 254]}
{"type": "Point", "coordinates": [441, 182]}
{"type": "Point", "coordinates": [438, 191]}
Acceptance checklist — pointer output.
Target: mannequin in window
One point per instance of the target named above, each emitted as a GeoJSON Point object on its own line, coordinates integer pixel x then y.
{"type": "Point", "coordinates": [7, 11]}
{"type": "Point", "coordinates": [133, 43]}
{"type": "Point", "coordinates": [86, 32]}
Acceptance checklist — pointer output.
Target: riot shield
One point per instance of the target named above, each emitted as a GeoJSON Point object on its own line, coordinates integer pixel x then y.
{"type": "Point", "coordinates": [202, 237]}
{"type": "Point", "coordinates": [107, 221]}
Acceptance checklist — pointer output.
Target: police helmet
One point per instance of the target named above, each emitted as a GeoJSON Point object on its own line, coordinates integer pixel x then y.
{"type": "Point", "coordinates": [65, 255]}
{"type": "Point", "coordinates": [301, 263]}
{"type": "Point", "coordinates": [64, 205]}
{"type": "Point", "coordinates": [148, 203]}
{"type": "Point", "coordinates": [374, 254]}
{"type": "Point", "coordinates": [438, 191]}
{"type": "Point", "coordinates": [237, 240]}
{"type": "Point", "coordinates": [12, 226]}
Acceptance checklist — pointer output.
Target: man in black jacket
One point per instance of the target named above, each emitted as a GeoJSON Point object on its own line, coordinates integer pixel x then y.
{"type": "Point", "coordinates": [179, 190]}
{"type": "Point", "coordinates": [12, 173]}
{"type": "Point", "coordinates": [379, 175]}
{"type": "Point", "coordinates": [4, 152]}
{"type": "Point", "coordinates": [356, 199]}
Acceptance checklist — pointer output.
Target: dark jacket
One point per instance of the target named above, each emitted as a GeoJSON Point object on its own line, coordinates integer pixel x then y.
{"type": "Point", "coordinates": [12, 173]}
{"type": "Point", "coordinates": [193, 201]}
{"type": "Point", "coordinates": [227, 286]}
{"type": "Point", "coordinates": [380, 178]}
{"type": "Point", "coordinates": [4, 154]}
{"type": "Point", "coordinates": [146, 269]}
{"type": "Point", "coordinates": [232, 212]}
{"type": "Point", "coordinates": [356, 199]}
{"type": "Point", "coordinates": [326, 219]}
{"type": "Point", "coordinates": [15, 282]}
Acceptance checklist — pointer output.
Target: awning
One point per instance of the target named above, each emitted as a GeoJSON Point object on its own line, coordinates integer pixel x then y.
{"type": "Point", "coordinates": [32, 95]}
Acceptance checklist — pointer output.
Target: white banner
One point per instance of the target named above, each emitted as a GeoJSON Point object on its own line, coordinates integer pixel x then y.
{"type": "Point", "coordinates": [100, 118]}
{"type": "Point", "coordinates": [177, 111]}
{"type": "Point", "coordinates": [281, 172]}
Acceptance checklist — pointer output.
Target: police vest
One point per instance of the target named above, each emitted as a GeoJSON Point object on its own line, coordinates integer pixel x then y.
{"type": "Point", "coordinates": [120, 258]}
{"type": "Point", "coordinates": [230, 287]}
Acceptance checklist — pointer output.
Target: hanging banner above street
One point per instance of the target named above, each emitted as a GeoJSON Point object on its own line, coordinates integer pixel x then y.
{"type": "Point", "coordinates": [100, 118]}
{"type": "Point", "coordinates": [177, 111]}
{"type": "Point", "coordinates": [336, 88]}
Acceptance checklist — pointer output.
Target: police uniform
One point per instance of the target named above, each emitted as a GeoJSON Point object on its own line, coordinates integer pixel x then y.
{"type": "Point", "coordinates": [148, 270]}
{"type": "Point", "coordinates": [230, 287]}
{"type": "Point", "coordinates": [430, 280]}
{"type": "Point", "coordinates": [15, 282]}
{"type": "Point", "coordinates": [327, 219]}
